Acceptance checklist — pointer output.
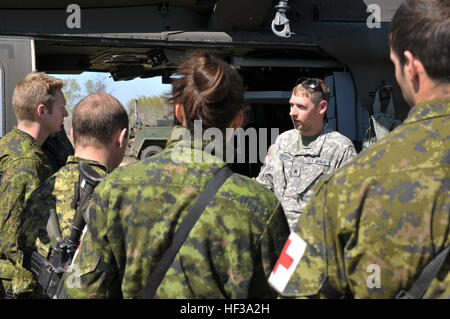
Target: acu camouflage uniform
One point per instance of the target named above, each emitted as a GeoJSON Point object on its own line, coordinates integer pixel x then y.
{"type": "Point", "coordinates": [23, 166]}
{"type": "Point", "coordinates": [135, 212]}
{"type": "Point", "coordinates": [389, 207]}
{"type": "Point", "coordinates": [54, 194]}
{"type": "Point", "coordinates": [291, 172]}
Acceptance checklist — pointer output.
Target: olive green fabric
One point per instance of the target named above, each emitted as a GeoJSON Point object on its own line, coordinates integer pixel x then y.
{"type": "Point", "coordinates": [23, 166]}
{"type": "Point", "coordinates": [135, 212]}
{"type": "Point", "coordinates": [374, 224]}
{"type": "Point", "coordinates": [54, 194]}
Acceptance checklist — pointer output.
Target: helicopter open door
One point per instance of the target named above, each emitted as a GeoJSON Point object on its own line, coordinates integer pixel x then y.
{"type": "Point", "coordinates": [16, 60]}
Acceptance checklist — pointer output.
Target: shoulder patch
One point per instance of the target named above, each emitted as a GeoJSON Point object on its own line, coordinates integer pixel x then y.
{"type": "Point", "coordinates": [292, 252]}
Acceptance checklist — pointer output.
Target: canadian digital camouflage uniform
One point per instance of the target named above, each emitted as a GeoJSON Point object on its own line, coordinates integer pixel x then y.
{"type": "Point", "coordinates": [23, 166]}
{"type": "Point", "coordinates": [291, 172]}
{"type": "Point", "coordinates": [135, 211]}
{"type": "Point", "coordinates": [54, 194]}
{"type": "Point", "coordinates": [389, 209]}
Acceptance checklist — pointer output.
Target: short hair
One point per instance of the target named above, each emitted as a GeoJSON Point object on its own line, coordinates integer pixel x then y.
{"type": "Point", "coordinates": [34, 89]}
{"type": "Point", "coordinates": [209, 89]}
{"type": "Point", "coordinates": [314, 95]}
{"type": "Point", "coordinates": [423, 28]}
{"type": "Point", "coordinates": [96, 118]}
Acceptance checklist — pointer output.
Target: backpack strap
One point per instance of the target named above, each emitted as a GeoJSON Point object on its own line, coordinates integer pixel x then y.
{"type": "Point", "coordinates": [421, 284]}
{"type": "Point", "coordinates": [377, 103]}
{"type": "Point", "coordinates": [390, 110]}
{"type": "Point", "coordinates": [183, 231]}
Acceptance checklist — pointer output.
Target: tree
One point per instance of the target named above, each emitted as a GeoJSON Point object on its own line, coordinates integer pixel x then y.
{"type": "Point", "coordinates": [72, 93]}
{"type": "Point", "coordinates": [98, 85]}
{"type": "Point", "coordinates": [149, 109]}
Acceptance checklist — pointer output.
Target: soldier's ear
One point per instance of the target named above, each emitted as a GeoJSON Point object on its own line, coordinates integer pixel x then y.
{"type": "Point", "coordinates": [414, 70]}
{"type": "Point", "coordinates": [71, 135]}
{"type": "Point", "coordinates": [323, 106]}
{"type": "Point", "coordinates": [41, 111]}
{"type": "Point", "coordinates": [123, 137]}
{"type": "Point", "coordinates": [179, 113]}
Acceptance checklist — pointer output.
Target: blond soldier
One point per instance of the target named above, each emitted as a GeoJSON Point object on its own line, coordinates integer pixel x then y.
{"type": "Point", "coordinates": [39, 106]}
{"type": "Point", "coordinates": [301, 156]}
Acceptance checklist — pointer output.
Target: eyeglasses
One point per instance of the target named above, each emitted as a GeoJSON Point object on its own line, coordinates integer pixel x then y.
{"type": "Point", "coordinates": [313, 84]}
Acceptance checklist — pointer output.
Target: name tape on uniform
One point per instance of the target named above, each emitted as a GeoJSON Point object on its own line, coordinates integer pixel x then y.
{"type": "Point", "coordinates": [291, 254]}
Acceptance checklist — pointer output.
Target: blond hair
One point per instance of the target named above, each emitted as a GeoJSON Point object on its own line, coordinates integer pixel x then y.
{"type": "Point", "coordinates": [314, 95]}
{"type": "Point", "coordinates": [32, 90]}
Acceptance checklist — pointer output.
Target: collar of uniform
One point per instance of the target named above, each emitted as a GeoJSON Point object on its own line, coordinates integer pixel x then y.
{"type": "Point", "coordinates": [189, 141]}
{"type": "Point", "coordinates": [27, 136]}
{"type": "Point", "coordinates": [429, 109]}
{"type": "Point", "coordinates": [75, 160]}
{"type": "Point", "coordinates": [314, 148]}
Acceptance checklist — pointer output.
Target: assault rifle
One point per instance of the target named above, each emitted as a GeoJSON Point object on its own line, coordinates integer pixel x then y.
{"type": "Point", "coordinates": [50, 274]}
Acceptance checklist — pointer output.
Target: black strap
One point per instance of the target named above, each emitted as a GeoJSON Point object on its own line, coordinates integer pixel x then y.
{"type": "Point", "coordinates": [421, 284]}
{"type": "Point", "coordinates": [330, 291]}
{"type": "Point", "coordinates": [183, 231]}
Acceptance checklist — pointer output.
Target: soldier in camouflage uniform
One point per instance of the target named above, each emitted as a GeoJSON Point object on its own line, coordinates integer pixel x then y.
{"type": "Point", "coordinates": [39, 106]}
{"type": "Point", "coordinates": [373, 226]}
{"type": "Point", "coordinates": [135, 211]}
{"type": "Point", "coordinates": [99, 125]}
{"type": "Point", "coordinates": [301, 156]}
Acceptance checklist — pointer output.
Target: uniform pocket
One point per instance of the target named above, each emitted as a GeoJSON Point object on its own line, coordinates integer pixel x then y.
{"type": "Point", "coordinates": [311, 170]}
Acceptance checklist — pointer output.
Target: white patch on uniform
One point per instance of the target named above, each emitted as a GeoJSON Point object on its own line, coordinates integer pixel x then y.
{"type": "Point", "coordinates": [286, 264]}
{"type": "Point", "coordinates": [79, 245]}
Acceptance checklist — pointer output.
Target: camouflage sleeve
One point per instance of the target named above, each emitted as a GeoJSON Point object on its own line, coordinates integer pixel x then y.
{"type": "Point", "coordinates": [94, 265]}
{"type": "Point", "coordinates": [33, 232]}
{"type": "Point", "coordinates": [320, 260]}
{"type": "Point", "coordinates": [269, 247]}
{"type": "Point", "coordinates": [19, 183]}
{"type": "Point", "coordinates": [265, 176]}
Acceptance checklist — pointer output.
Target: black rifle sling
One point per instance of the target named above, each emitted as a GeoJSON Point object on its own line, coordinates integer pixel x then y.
{"type": "Point", "coordinates": [89, 179]}
{"type": "Point", "coordinates": [183, 231]}
{"type": "Point", "coordinates": [421, 284]}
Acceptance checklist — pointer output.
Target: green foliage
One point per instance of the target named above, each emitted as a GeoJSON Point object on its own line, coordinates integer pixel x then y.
{"type": "Point", "coordinates": [72, 93]}
{"type": "Point", "coordinates": [148, 109]}
{"type": "Point", "coordinates": [99, 85]}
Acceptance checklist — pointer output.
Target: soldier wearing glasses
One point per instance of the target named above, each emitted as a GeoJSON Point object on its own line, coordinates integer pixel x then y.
{"type": "Point", "coordinates": [301, 156]}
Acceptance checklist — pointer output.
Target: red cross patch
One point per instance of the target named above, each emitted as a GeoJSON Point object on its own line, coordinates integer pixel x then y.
{"type": "Point", "coordinates": [291, 254]}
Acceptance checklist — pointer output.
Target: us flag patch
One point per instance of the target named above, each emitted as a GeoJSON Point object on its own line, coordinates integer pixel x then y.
{"type": "Point", "coordinates": [291, 254]}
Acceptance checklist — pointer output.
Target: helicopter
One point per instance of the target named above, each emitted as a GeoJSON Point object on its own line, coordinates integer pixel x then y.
{"type": "Point", "coordinates": [270, 43]}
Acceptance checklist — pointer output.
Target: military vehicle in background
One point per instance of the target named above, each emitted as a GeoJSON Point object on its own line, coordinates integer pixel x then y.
{"type": "Point", "coordinates": [271, 44]}
{"type": "Point", "coordinates": [149, 140]}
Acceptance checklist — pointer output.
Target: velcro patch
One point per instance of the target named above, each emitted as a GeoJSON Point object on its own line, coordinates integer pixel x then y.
{"type": "Point", "coordinates": [270, 153]}
{"type": "Point", "coordinates": [286, 264]}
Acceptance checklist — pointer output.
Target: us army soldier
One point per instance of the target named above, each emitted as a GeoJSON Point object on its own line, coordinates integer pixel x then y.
{"type": "Point", "coordinates": [301, 156]}
{"type": "Point", "coordinates": [39, 106]}
{"type": "Point", "coordinates": [373, 226]}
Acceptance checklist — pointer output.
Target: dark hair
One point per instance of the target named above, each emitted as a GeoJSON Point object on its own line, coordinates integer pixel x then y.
{"type": "Point", "coordinates": [209, 89]}
{"type": "Point", "coordinates": [96, 118]}
{"type": "Point", "coordinates": [423, 28]}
